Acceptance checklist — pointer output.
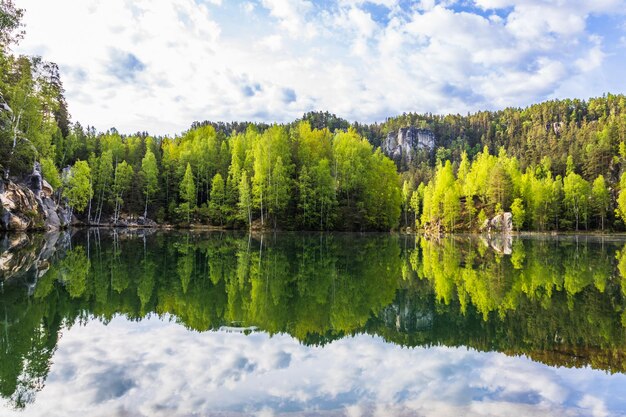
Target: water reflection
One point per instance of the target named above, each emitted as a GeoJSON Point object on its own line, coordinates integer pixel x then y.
{"type": "Point", "coordinates": [558, 301]}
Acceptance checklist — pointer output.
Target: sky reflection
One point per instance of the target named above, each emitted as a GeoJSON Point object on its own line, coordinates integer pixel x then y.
{"type": "Point", "coordinates": [158, 368]}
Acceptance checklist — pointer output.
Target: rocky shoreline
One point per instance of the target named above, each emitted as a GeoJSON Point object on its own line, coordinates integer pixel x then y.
{"type": "Point", "coordinates": [29, 204]}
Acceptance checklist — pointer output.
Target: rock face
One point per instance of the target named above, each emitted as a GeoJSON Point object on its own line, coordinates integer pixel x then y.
{"type": "Point", "coordinates": [29, 205]}
{"type": "Point", "coordinates": [401, 146]}
{"type": "Point", "coordinates": [132, 222]}
{"type": "Point", "coordinates": [502, 223]}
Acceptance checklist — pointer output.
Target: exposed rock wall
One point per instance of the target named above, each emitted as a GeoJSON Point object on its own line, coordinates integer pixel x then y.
{"type": "Point", "coordinates": [402, 146]}
{"type": "Point", "coordinates": [29, 205]}
{"type": "Point", "coordinates": [502, 223]}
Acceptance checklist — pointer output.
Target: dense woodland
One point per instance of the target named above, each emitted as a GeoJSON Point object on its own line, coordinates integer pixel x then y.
{"type": "Point", "coordinates": [558, 165]}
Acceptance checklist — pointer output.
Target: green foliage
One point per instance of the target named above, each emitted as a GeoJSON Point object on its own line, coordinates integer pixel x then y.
{"type": "Point", "coordinates": [10, 23]}
{"type": "Point", "coordinates": [188, 192]}
{"type": "Point", "coordinates": [415, 203]}
{"type": "Point", "coordinates": [442, 199]}
{"type": "Point", "coordinates": [518, 212]}
{"type": "Point", "coordinates": [78, 188]}
{"type": "Point", "coordinates": [50, 173]}
{"type": "Point", "coordinates": [245, 199]}
{"type": "Point", "coordinates": [482, 217]}
{"type": "Point", "coordinates": [217, 201]}
{"type": "Point", "coordinates": [279, 190]}
{"type": "Point", "coordinates": [150, 177]}
{"type": "Point", "coordinates": [122, 181]}
{"type": "Point", "coordinates": [600, 199]}
{"type": "Point", "coordinates": [621, 199]}
{"type": "Point", "coordinates": [576, 193]}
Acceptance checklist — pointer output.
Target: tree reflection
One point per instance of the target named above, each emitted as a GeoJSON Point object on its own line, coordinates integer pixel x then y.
{"type": "Point", "coordinates": [557, 300]}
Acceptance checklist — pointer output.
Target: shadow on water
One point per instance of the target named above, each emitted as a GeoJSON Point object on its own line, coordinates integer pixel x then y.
{"type": "Point", "coordinates": [558, 300]}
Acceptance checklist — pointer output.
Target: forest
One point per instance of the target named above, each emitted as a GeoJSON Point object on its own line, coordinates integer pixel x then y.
{"type": "Point", "coordinates": [558, 165]}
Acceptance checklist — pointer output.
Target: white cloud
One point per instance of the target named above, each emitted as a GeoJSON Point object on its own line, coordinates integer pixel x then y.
{"type": "Point", "coordinates": [592, 61]}
{"type": "Point", "coordinates": [157, 368]}
{"type": "Point", "coordinates": [292, 15]}
{"type": "Point", "coordinates": [272, 42]}
{"type": "Point", "coordinates": [158, 66]}
{"type": "Point", "coordinates": [248, 7]}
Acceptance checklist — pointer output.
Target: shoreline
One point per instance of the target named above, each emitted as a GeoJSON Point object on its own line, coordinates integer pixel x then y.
{"type": "Point", "coordinates": [211, 228]}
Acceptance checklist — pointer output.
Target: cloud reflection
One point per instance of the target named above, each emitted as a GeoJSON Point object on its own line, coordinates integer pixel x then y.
{"type": "Point", "coordinates": [158, 368]}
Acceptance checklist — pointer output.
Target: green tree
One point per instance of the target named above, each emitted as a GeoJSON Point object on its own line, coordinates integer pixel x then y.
{"type": "Point", "coordinates": [407, 192]}
{"type": "Point", "coordinates": [325, 195]}
{"type": "Point", "coordinates": [519, 213]}
{"type": "Point", "coordinates": [50, 173]}
{"type": "Point", "coordinates": [10, 24]}
{"type": "Point", "coordinates": [279, 190]}
{"type": "Point", "coordinates": [600, 199]}
{"type": "Point", "coordinates": [415, 202]}
{"type": "Point", "coordinates": [576, 193]}
{"type": "Point", "coordinates": [621, 199]}
{"type": "Point", "coordinates": [499, 187]}
{"type": "Point", "coordinates": [122, 182]}
{"type": "Point", "coordinates": [103, 176]}
{"type": "Point", "coordinates": [150, 176]}
{"type": "Point", "coordinates": [78, 187]}
{"type": "Point", "coordinates": [188, 192]}
{"type": "Point", "coordinates": [217, 200]}
{"type": "Point", "coordinates": [442, 199]}
{"type": "Point", "coordinates": [245, 199]}
{"type": "Point", "coordinates": [305, 198]}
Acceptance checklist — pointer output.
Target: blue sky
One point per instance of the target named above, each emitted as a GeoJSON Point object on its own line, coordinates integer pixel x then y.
{"type": "Point", "coordinates": [159, 66]}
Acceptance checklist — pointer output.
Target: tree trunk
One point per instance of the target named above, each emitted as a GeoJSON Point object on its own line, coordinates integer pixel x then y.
{"type": "Point", "coordinates": [261, 207]}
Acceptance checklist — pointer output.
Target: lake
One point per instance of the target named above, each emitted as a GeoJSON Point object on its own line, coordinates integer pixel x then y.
{"type": "Point", "coordinates": [134, 323]}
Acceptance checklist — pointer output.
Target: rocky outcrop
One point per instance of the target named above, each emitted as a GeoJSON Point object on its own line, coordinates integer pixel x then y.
{"type": "Point", "coordinates": [502, 223]}
{"type": "Point", "coordinates": [29, 205]}
{"type": "Point", "coordinates": [131, 221]}
{"type": "Point", "coordinates": [402, 146]}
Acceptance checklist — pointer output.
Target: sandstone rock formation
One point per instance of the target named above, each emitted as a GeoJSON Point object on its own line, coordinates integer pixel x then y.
{"type": "Point", "coordinates": [502, 223]}
{"type": "Point", "coordinates": [402, 146]}
{"type": "Point", "coordinates": [30, 205]}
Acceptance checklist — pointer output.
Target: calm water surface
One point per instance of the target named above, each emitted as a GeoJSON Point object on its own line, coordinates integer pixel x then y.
{"type": "Point", "coordinates": [224, 324]}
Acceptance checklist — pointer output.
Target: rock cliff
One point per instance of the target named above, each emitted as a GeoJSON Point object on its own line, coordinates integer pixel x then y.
{"type": "Point", "coordinates": [501, 223]}
{"type": "Point", "coordinates": [29, 204]}
{"type": "Point", "coordinates": [402, 146]}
